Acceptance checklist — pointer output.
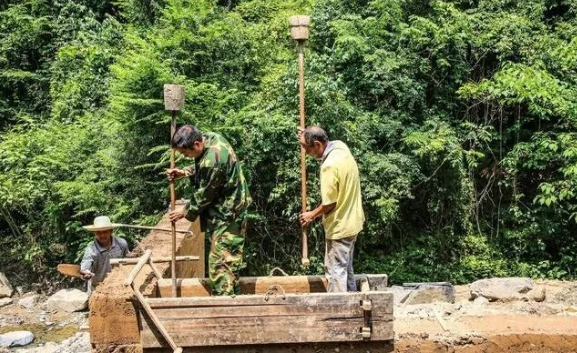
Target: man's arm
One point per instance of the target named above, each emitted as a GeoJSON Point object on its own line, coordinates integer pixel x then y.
{"type": "Point", "coordinates": [307, 217]}
{"type": "Point", "coordinates": [203, 196]}
{"type": "Point", "coordinates": [86, 264]}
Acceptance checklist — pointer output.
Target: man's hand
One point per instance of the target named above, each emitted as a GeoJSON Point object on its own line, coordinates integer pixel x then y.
{"type": "Point", "coordinates": [176, 215]}
{"type": "Point", "coordinates": [174, 174]}
{"type": "Point", "coordinates": [86, 275]}
{"type": "Point", "coordinates": [306, 218]}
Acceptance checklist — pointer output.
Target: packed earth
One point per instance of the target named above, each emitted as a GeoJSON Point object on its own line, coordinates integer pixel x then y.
{"type": "Point", "coordinates": [494, 315]}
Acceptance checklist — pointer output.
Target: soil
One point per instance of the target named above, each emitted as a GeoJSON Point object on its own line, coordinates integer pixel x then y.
{"type": "Point", "coordinates": [465, 326]}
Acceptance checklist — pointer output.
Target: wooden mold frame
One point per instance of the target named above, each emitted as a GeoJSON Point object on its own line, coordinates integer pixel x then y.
{"type": "Point", "coordinates": [285, 313]}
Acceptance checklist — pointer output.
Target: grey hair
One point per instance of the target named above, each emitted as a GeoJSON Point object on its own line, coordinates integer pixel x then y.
{"type": "Point", "coordinates": [315, 133]}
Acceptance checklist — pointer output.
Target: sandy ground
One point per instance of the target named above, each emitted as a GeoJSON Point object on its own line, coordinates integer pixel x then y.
{"type": "Point", "coordinates": [464, 326]}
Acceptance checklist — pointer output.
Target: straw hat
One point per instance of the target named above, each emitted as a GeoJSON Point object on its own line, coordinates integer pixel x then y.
{"type": "Point", "coordinates": [101, 223]}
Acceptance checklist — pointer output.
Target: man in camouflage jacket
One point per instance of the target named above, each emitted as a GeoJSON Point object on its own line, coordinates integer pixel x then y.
{"type": "Point", "coordinates": [220, 197]}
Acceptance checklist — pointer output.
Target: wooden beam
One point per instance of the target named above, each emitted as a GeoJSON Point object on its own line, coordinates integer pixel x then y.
{"type": "Point", "coordinates": [196, 287]}
{"type": "Point", "coordinates": [141, 262]}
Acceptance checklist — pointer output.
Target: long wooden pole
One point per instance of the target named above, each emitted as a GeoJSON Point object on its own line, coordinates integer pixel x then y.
{"type": "Point", "coordinates": [173, 207]}
{"type": "Point", "coordinates": [153, 228]}
{"type": "Point", "coordinates": [133, 260]}
{"type": "Point", "coordinates": [305, 250]}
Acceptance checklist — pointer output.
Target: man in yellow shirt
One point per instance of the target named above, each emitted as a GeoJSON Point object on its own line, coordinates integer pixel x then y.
{"type": "Point", "coordinates": [341, 206]}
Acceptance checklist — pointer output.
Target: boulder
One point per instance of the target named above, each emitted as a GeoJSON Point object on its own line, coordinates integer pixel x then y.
{"type": "Point", "coordinates": [400, 294]}
{"type": "Point", "coordinates": [16, 338]}
{"type": "Point", "coordinates": [424, 293]}
{"type": "Point", "coordinates": [481, 301]}
{"type": "Point", "coordinates": [68, 300]}
{"type": "Point", "coordinates": [506, 289]}
{"type": "Point", "coordinates": [28, 301]}
{"type": "Point", "coordinates": [6, 289]}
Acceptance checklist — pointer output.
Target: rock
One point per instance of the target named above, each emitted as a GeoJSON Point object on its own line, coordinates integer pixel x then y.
{"type": "Point", "coordinates": [430, 293]}
{"type": "Point", "coordinates": [16, 338]}
{"type": "Point", "coordinates": [501, 289]}
{"type": "Point", "coordinates": [79, 343]}
{"type": "Point", "coordinates": [48, 347]}
{"type": "Point", "coordinates": [28, 301]}
{"type": "Point", "coordinates": [481, 301]}
{"type": "Point", "coordinates": [68, 300]}
{"type": "Point", "coordinates": [19, 290]}
{"type": "Point", "coordinates": [5, 301]}
{"type": "Point", "coordinates": [6, 289]}
{"type": "Point", "coordinates": [537, 294]}
{"type": "Point", "coordinates": [400, 294]}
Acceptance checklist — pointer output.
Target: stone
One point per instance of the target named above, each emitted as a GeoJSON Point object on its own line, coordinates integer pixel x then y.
{"type": "Point", "coordinates": [69, 300]}
{"type": "Point", "coordinates": [537, 294]}
{"type": "Point", "coordinates": [400, 294]}
{"type": "Point", "coordinates": [502, 289]}
{"type": "Point", "coordinates": [481, 301]}
{"type": "Point", "coordinates": [173, 97]}
{"type": "Point", "coordinates": [431, 293]}
{"type": "Point", "coordinates": [16, 338]}
{"type": "Point", "coordinates": [6, 301]}
{"type": "Point", "coordinates": [6, 289]}
{"type": "Point", "coordinates": [28, 301]}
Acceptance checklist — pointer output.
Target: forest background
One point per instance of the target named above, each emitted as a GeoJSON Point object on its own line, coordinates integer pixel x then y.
{"type": "Point", "coordinates": [462, 115]}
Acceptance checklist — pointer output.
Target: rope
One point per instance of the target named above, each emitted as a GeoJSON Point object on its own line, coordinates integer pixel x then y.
{"type": "Point", "coordinates": [277, 269]}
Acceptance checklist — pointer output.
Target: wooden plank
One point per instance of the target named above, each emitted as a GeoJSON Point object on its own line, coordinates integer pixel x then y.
{"type": "Point", "coordinates": [158, 325]}
{"type": "Point", "coordinates": [197, 287]}
{"type": "Point", "coordinates": [136, 269]}
{"type": "Point", "coordinates": [189, 287]}
{"type": "Point", "coordinates": [250, 300]}
{"type": "Point", "coordinates": [319, 317]}
{"type": "Point", "coordinates": [261, 331]}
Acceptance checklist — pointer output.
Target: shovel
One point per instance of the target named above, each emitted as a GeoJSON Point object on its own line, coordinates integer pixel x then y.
{"type": "Point", "coordinates": [70, 270]}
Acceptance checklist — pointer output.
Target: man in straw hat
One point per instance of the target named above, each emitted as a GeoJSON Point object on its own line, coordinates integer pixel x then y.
{"type": "Point", "coordinates": [95, 263]}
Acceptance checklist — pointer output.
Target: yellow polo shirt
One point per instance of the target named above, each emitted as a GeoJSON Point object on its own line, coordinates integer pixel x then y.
{"type": "Point", "coordinates": [340, 183]}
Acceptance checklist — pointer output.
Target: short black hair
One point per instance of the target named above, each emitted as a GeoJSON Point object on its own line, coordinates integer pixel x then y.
{"type": "Point", "coordinates": [315, 133]}
{"type": "Point", "coordinates": [185, 136]}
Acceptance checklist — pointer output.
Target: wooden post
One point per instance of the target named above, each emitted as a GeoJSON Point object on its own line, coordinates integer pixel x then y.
{"type": "Point", "coordinates": [173, 101]}
{"type": "Point", "coordinates": [299, 26]}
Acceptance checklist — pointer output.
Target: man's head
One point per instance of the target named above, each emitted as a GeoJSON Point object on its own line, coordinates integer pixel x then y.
{"type": "Point", "coordinates": [188, 140]}
{"type": "Point", "coordinates": [314, 140]}
{"type": "Point", "coordinates": [102, 229]}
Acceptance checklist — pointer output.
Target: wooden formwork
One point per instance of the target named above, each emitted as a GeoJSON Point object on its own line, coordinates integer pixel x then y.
{"type": "Point", "coordinates": [270, 318]}
{"type": "Point", "coordinates": [271, 310]}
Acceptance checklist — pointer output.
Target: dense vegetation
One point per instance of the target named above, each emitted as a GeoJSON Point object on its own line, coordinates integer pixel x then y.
{"type": "Point", "coordinates": [462, 115]}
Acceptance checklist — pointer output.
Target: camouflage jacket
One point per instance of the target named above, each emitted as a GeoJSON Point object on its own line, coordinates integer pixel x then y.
{"type": "Point", "coordinates": [220, 191]}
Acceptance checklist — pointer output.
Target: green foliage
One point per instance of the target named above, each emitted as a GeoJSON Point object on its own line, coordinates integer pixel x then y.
{"type": "Point", "coordinates": [461, 114]}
